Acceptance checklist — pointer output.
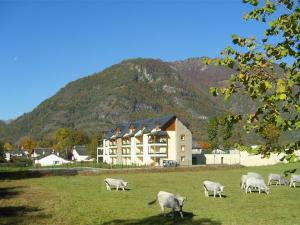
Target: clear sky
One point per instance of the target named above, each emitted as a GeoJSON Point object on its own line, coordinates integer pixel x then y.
{"type": "Point", "coordinates": [46, 44]}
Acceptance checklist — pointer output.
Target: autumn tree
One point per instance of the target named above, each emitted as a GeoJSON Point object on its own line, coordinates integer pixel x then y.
{"type": "Point", "coordinates": [65, 138]}
{"type": "Point", "coordinates": [62, 139]}
{"type": "Point", "coordinates": [44, 143]}
{"type": "Point", "coordinates": [275, 90]}
{"type": "Point", "coordinates": [204, 145]}
{"type": "Point", "coordinates": [8, 146]}
{"type": "Point", "coordinates": [28, 143]}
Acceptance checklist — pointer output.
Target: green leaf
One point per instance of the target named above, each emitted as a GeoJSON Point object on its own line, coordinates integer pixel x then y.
{"type": "Point", "coordinates": [279, 120]}
{"type": "Point", "coordinates": [268, 85]}
{"type": "Point", "coordinates": [297, 124]}
{"type": "Point", "coordinates": [282, 96]}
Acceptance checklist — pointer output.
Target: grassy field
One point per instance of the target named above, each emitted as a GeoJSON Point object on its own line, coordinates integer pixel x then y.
{"type": "Point", "coordinates": [85, 200]}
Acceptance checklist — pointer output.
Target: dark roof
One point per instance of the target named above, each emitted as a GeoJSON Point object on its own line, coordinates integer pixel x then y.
{"type": "Point", "coordinates": [43, 151]}
{"type": "Point", "coordinates": [159, 133]}
{"type": "Point", "coordinates": [16, 152]}
{"type": "Point", "coordinates": [80, 149]}
{"type": "Point", "coordinates": [149, 124]}
{"type": "Point", "coordinates": [43, 156]}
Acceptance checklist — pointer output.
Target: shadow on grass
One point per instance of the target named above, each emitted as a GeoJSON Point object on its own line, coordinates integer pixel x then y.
{"type": "Point", "coordinates": [14, 215]}
{"type": "Point", "coordinates": [9, 192]}
{"type": "Point", "coordinates": [120, 189]}
{"type": "Point", "coordinates": [217, 196]}
{"type": "Point", "coordinates": [12, 211]}
{"type": "Point", "coordinates": [16, 175]}
{"type": "Point", "coordinates": [165, 220]}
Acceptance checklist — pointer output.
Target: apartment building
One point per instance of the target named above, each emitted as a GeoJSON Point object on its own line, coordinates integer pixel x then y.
{"type": "Point", "coordinates": [147, 142]}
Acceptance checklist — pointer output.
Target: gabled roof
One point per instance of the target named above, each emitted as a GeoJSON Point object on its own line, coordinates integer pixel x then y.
{"type": "Point", "coordinates": [159, 133]}
{"type": "Point", "coordinates": [43, 156]}
{"type": "Point", "coordinates": [16, 152]}
{"type": "Point", "coordinates": [80, 149]}
{"type": "Point", "coordinates": [43, 151]}
{"type": "Point", "coordinates": [147, 124]}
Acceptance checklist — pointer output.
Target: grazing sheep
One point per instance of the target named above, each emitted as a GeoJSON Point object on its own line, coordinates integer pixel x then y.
{"type": "Point", "coordinates": [213, 186]}
{"type": "Point", "coordinates": [295, 178]}
{"type": "Point", "coordinates": [256, 175]}
{"type": "Point", "coordinates": [278, 178]}
{"type": "Point", "coordinates": [253, 182]}
{"type": "Point", "coordinates": [169, 200]}
{"type": "Point", "coordinates": [115, 183]}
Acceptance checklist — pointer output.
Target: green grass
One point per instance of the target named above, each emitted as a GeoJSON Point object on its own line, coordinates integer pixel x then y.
{"type": "Point", "coordinates": [85, 200]}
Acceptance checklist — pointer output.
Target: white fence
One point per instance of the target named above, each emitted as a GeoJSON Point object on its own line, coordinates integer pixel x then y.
{"type": "Point", "coordinates": [244, 158]}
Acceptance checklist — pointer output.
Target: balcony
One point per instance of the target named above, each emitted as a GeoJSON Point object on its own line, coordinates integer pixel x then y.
{"type": "Point", "coordinates": [158, 151]}
{"type": "Point", "coordinates": [126, 144]}
{"type": "Point", "coordinates": [139, 152]}
{"type": "Point", "coordinates": [112, 152]}
{"type": "Point", "coordinates": [126, 151]}
{"type": "Point", "coordinates": [157, 140]}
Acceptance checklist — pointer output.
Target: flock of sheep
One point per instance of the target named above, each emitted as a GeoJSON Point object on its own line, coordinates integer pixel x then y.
{"type": "Point", "coordinates": [249, 182]}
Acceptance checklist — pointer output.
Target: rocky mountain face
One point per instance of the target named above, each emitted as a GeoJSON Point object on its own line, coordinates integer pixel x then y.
{"type": "Point", "coordinates": [131, 90]}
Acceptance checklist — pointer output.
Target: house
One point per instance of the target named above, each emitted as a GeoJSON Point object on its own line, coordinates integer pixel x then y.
{"type": "Point", "coordinates": [41, 152]}
{"type": "Point", "coordinates": [147, 142]}
{"type": "Point", "coordinates": [17, 153]}
{"type": "Point", "coordinates": [49, 160]}
{"type": "Point", "coordinates": [79, 153]}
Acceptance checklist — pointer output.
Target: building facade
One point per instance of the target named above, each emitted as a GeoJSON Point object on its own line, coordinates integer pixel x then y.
{"type": "Point", "coordinates": [147, 142]}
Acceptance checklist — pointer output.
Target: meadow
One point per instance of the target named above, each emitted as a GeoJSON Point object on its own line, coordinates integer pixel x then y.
{"type": "Point", "coordinates": [84, 199]}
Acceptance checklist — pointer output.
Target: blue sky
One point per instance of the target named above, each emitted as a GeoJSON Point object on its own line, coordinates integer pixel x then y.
{"type": "Point", "coordinates": [46, 44]}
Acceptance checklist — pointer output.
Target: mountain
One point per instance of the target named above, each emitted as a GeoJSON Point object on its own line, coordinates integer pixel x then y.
{"type": "Point", "coordinates": [131, 90]}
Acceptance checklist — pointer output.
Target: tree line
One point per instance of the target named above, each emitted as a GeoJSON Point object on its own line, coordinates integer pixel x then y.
{"type": "Point", "coordinates": [61, 140]}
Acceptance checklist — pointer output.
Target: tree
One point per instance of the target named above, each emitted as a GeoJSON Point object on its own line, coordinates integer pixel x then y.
{"type": "Point", "coordinates": [8, 146]}
{"type": "Point", "coordinates": [78, 137]}
{"type": "Point", "coordinates": [275, 90]}
{"type": "Point", "coordinates": [28, 143]}
{"type": "Point", "coordinates": [61, 137]}
{"type": "Point", "coordinates": [204, 145]}
{"type": "Point", "coordinates": [225, 130]}
{"type": "Point", "coordinates": [65, 138]}
{"type": "Point", "coordinates": [93, 144]}
{"type": "Point", "coordinates": [212, 130]}
{"type": "Point", "coordinates": [44, 143]}
{"type": "Point", "coordinates": [1, 152]}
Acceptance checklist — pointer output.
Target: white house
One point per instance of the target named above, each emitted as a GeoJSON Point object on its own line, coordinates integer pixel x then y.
{"type": "Point", "coordinates": [80, 154]}
{"type": "Point", "coordinates": [147, 142]}
{"type": "Point", "coordinates": [41, 152]}
{"type": "Point", "coordinates": [50, 160]}
{"type": "Point", "coordinates": [18, 153]}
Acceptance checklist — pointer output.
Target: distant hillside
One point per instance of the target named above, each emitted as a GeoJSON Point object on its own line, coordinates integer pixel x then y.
{"type": "Point", "coordinates": [206, 76]}
{"type": "Point", "coordinates": [133, 89]}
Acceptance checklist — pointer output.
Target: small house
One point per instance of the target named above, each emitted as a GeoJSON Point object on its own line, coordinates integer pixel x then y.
{"type": "Point", "coordinates": [41, 152]}
{"type": "Point", "coordinates": [49, 160]}
{"type": "Point", "coordinates": [79, 153]}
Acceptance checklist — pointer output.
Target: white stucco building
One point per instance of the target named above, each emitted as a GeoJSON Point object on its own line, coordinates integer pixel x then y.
{"type": "Point", "coordinates": [147, 142]}
{"type": "Point", "coordinates": [49, 160]}
{"type": "Point", "coordinates": [79, 153]}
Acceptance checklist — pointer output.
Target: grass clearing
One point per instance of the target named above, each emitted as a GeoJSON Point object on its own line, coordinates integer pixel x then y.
{"type": "Point", "coordinates": [85, 200]}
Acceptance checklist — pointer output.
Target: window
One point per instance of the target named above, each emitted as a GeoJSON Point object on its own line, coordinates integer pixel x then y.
{"type": "Point", "coordinates": [182, 148]}
{"type": "Point", "coordinates": [182, 158]}
{"type": "Point", "coordinates": [182, 137]}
